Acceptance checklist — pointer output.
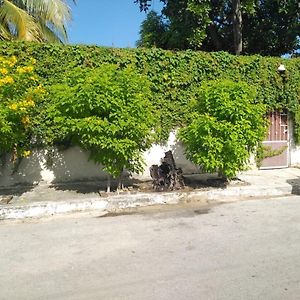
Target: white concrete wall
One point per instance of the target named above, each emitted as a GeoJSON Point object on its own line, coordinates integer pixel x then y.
{"type": "Point", "coordinates": [157, 152]}
{"type": "Point", "coordinates": [294, 150]}
{"type": "Point", "coordinates": [72, 165]}
{"type": "Point", "coordinates": [295, 157]}
{"type": "Point", "coordinates": [69, 165]}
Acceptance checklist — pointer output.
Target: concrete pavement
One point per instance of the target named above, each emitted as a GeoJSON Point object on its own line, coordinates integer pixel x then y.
{"type": "Point", "coordinates": [242, 250]}
{"type": "Point", "coordinates": [43, 200]}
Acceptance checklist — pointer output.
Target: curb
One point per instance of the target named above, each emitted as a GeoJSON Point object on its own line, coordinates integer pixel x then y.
{"type": "Point", "coordinates": [119, 202]}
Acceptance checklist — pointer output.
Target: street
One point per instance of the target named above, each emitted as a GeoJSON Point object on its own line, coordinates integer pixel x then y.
{"type": "Point", "coordinates": [240, 250]}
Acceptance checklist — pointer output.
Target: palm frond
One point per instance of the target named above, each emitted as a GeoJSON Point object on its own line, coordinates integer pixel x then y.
{"type": "Point", "coordinates": [21, 24]}
{"type": "Point", "coordinates": [48, 34]}
{"type": "Point", "coordinates": [5, 34]}
{"type": "Point", "coordinates": [55, 13]}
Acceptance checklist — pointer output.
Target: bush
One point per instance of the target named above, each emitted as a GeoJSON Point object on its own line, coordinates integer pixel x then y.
{"type": "Point", "coordinates": [105, 111]}
{"type": "Point", "coordinates": [225, 128]}
{"type": "Point", "coordinates": [20, 95]}
{"type": "Point", "coordinates": [172, 74]}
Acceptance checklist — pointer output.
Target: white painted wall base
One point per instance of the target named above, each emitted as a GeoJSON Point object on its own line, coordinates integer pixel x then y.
{"type": "Point", "coordinates": [73, 165]}
{"type": "Point", "coordinates": [294, 150]}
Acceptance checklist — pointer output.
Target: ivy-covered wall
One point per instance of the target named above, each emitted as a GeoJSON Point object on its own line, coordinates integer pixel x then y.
{"type": "Point", "coordinates": [174, 75]}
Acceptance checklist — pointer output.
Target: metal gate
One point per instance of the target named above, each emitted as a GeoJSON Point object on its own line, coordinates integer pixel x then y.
{"type": "Point", "coordinates": [277, 141]}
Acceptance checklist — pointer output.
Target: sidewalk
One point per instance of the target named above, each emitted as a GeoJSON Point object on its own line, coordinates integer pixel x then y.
{"type": "Point", "coordinates": [43, 200]}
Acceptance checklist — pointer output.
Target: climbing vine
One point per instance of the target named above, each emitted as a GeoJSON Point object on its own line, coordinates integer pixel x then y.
{"type": "Point", "coordinates": [172, 75]}
{"type": "Point", "coordinates": [163, 84]}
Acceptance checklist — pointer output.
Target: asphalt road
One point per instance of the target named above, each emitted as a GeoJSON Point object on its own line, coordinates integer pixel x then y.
{"type": "Point", "coordinates": [241, 250]}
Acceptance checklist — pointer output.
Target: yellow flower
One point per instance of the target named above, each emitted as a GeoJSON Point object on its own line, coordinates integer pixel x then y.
{"type": "Point", "coordinates": [26, 69]}
{"type": "Point", "coordinates": [13, 106]}
{"type": "Point", "coordinates": [7, 79]}
{"type": "Point", "coordinates": [28, 102]}
{"type": "Point", "coordinates": [8, 61]}
{"type": "Point", "coordinates": [25, 121]}
{"type": "Point", "coordinates": [12, 61]}
{"type": "Point", "coordinates": [40, 90]}
{"type": "Point", "coordinates": [20, 70]}
{"type": "Point", "coordinates": [26, 153]}
{"type": "Point", "coordinates": [3, 71]}
{"type": "Point", "coordinates": [25, 104]}
{"type": "Point", "coordinates": [33, 78]}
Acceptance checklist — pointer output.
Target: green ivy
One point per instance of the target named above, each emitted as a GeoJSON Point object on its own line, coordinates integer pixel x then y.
{"type": "Point", "coordinates": [172, 75]}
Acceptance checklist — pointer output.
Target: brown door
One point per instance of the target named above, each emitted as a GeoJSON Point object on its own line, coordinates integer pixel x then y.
{"type": "Point", "coordinates": [276, 143]}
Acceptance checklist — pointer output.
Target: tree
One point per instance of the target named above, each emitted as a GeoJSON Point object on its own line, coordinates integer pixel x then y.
{"type": "Point", "coordinates": [152, 32]}
{"type": "Point", "coordinates": [225, 128]}
{"type": "Point", "coordinates": [268, 27]}
{"type": "Point", "coordinates": [106, 112]}
{"type": "Point", "coordinates": [274, 28]}
{"type": "Point", "coordinates": [179, 24]}
{"type": "Point", "coordinates": [34, 20]}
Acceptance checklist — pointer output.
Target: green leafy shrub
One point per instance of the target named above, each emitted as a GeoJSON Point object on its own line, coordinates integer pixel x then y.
{"type": "Point", "coordinates": [225, 128]}
{"type": "Point", "coordinates": [173, 77]}
{"type": "Point", "coordinates": [172, 74]}
{"type": "Point", "coordinates": [105, 111]}
{"type": "Point", "coordinates": [20, 95]}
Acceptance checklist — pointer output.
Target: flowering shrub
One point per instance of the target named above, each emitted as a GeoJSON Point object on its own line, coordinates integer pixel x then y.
{"type": "Point", "coordinates": [20, 93]}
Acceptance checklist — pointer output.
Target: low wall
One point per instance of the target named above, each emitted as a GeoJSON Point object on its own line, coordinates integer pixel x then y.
{"type": "Point", "coordinates": [294, 150]}
{"type": "Point", "coordinates": [73, 165]}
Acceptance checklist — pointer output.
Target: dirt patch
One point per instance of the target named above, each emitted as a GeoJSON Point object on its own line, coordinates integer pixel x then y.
{"type": "Point", "coordinates": [191, 183]}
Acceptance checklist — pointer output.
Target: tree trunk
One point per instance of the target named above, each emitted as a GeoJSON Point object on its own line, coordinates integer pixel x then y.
{"type": "Point", "coordinates": [120, 185]}
{"type": "Point", "coordinates": [108, 183]}
{"type": "Point", "coordinates": [237, 26]}
{"type": "Point", "coordinates": [120, 182]}
{"type": "Point", "coordinates": [214, 37]}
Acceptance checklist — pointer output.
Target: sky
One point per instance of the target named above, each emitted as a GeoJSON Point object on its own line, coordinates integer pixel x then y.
{"type": "Point", "coordinates": [107, 22]}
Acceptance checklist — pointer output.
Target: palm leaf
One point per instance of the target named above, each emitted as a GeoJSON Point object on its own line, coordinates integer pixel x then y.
{"type": "Point", "coordinates": [21, 24]}
{"type": "Point", "coordinates": [48, 34]}
{"type": "Point", "coordinates": [56, 14]}
{"type": "Point", "coordinates": [5, 33]}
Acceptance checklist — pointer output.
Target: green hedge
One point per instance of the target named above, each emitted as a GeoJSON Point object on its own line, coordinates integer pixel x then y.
{"type": "Point", "coordinates": [174, 75]}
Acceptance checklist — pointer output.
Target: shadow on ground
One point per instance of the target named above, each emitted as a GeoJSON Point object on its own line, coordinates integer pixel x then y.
{"type": "Point", "coordinates": [86, 190]}
{"type": "Point", "coordinates": [192, 182]}
{"type": "Point", "coordinates": [7, 194]}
